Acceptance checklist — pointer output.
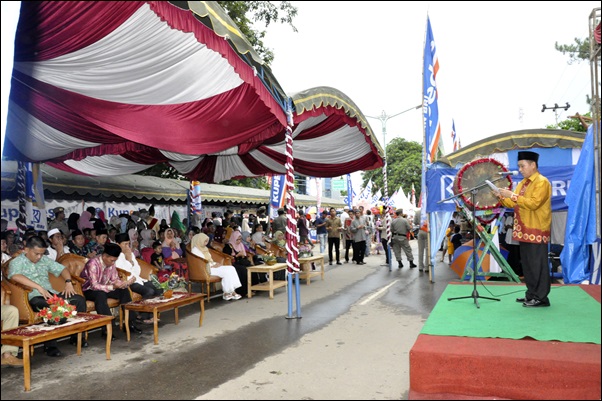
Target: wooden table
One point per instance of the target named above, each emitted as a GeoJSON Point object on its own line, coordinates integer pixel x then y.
{"type": "Point", "coordinates": [28, 335]}
{"type": "Point", "coordinates": [309, 273]}
{"type": "Point", "coordinates": [160, 304]}
{"type": "Point", "coordinates": [271, 284]}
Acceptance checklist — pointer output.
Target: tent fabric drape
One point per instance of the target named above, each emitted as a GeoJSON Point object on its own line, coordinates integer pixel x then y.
{"type": "Point", "coordinates": [166, 82]}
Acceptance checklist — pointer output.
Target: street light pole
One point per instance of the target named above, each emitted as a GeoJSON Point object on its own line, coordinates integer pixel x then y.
{"type": "Point", "coordinates": [383, 119]}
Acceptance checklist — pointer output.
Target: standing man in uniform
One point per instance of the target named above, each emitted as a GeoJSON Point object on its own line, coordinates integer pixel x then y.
{"type": "Point", "coordinates": [400, 227]}
{"type": "Point", "coordinates": [532, 203]}
{"type": "Point", "coordinates": [60, 222]}
{"type": "Point", "coordinates": [280, 222]}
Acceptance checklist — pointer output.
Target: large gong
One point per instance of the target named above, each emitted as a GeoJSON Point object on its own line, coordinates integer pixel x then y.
{"type": "Point", "coordinates": [473, 175]}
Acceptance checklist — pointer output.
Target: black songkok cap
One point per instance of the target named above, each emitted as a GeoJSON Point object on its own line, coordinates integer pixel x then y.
{"type": "Point", "coordinates": [112, 250]}
{"type": "Point", "coordinates": [531, 156]}
{"type": "Point", "coordinates": [122, 237]}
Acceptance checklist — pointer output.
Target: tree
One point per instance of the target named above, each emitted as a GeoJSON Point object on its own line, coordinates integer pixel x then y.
{"type": "Point", "coordinates": [404, 167]}
{"type": "Point", "coordinates": [577, 52]}
{"type": "Point", "coordinates": [244, 14]}
{"type": "Point", "coordinates": [572, 124]}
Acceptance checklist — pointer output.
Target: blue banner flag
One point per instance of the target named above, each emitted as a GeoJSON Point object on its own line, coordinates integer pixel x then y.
{"type": "Point", "coordinates": [349, 191]}
{"type": "Point", "coordinates": [278, 192]}
{"type": "Point", "coordinates": [430, 107]}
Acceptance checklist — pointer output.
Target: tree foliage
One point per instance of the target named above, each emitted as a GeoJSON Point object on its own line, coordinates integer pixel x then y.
{"type": "Point", "coordinates": [404, 168]}
{"type": "Point", "coordinates": [577, 52]}
{"type": "Point", "coordinates": [248, 14]}
{"type": "Point", "coordinates": [571, 124]}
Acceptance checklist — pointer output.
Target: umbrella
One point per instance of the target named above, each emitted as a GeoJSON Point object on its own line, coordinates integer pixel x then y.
{"type": "Point", "coordinates": [462, 257]}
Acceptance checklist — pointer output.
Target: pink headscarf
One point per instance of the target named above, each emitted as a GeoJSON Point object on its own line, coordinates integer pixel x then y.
{"type": "Point", "coordinates": [84, 221]}
{"type": "Point", "coordinates": [237, 246]}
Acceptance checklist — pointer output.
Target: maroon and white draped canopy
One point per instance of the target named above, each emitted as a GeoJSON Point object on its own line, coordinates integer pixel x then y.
{"type": "Point", "coordinates": [112, 88]}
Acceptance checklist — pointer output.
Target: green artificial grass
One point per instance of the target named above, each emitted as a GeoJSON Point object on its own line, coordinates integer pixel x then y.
{"type": "Point", "coordinates": [574, 316]}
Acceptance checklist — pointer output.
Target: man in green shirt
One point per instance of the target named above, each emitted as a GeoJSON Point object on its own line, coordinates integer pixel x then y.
{"type": "Point", "coordinates": [31, 269]}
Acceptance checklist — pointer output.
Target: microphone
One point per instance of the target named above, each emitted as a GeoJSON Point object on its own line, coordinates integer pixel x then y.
{"type": "Point", "coordinates": [506, 173]}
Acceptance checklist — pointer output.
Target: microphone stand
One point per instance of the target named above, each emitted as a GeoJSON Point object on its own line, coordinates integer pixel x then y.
{"type": "Point", "coordinates": [473, 191]}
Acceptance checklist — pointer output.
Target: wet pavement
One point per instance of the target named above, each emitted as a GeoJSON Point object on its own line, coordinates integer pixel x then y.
{"type": "Point", "coordinates": [352, 342]}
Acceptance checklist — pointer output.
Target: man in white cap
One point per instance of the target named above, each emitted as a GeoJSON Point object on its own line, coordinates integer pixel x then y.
{"type": "Point", "coordinates": [57, 246]}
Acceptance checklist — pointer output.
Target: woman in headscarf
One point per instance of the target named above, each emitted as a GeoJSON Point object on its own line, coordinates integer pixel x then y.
{"type": "Point", "coordinates": [115, 221]}
{"type": "Point", "coordinates": [172, 253]}
{"type": "Point", "coordinates": [230, 279]}
{"type": "Point", "coordinates": [236, 248]}
{"type": "Point", "coordinates": [134, 243]}
{"type": "Point", "coordinates": [258, 236]}
{"type": "Point", "coordinates": [279, 239]}
{"type": "Point", "coordinates": [250, 247]}
{"type": "Point", "coordinates": [147, 238]}
{"type": "Point", "coordinates": [84, 221]}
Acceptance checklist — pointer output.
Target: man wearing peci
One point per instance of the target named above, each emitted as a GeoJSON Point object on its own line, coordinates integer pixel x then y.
{"type": "Point", "coordinates": [532, 204]}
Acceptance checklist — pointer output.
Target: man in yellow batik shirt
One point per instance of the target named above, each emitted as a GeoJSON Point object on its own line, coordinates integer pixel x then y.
{"type": "Point", "coordinates": [532, 203]}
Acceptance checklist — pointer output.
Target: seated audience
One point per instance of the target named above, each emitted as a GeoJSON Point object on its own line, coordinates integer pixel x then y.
{"type": "Point", "coordinates": [10, 320]}
{"type": "Point", "coordinates": [78, 246]}
{"type": "Point", "coordinates": [230, 278]}
{"type": "Point", "coordinates": [134, 243]}
{"type": "Point", "coordinates": [84, 221]}
{"type": "Point", "coordinates": [147, 238]}
{"type": "Point", "coordinates": [31, 269]}
{"type": "Point", "coordinates": [57, 246]}
{"type": "Point", "coordinates": [5, 255]}
{"type": "Point", "coordinates": [258, 236]}
{"type": "Point", "coordinates": [128, 262]}
{"type": "Point", "coordinates": [98, 243]}
{"type": "Point", "coordinates": [101, 281]}
{"type": "Point", "coordinates": [156, 260]}
{"type": "Point", "coordinates": [279, 239]}
{"type": "Point", "coordinates": [172, 254]}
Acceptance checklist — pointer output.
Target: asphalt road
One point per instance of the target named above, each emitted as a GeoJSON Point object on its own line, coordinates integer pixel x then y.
{"type": "Point", "coordinates": [352, 342]}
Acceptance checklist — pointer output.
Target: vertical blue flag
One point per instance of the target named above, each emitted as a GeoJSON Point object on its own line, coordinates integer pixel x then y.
{"type": "Point", "coordinates": [278, 192]}
{"type": "Point", "coordinates": [349, 191]}
{"type": "Point", "coordinates": [430, 94]}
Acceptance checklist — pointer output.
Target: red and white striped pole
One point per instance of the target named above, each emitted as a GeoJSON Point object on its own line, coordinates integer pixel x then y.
{"type": "Point", "coordinates": [292, 250]}
{"type": "Point", "coordinates": [387, 214]}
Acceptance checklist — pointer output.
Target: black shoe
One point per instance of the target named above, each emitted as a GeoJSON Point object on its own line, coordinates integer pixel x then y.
{"type": "Point", "coordinates": [399, 264]}
{"type": "Point", "coordinates": [412, 265]}
{"type": "Point", "coordinates": [73, 341]}
{"type": "Point", "coordinates": [522, 300]}
{"type": "Point", "coordinates": [135, 329]}
{"type": "Point", "coordinates": [330, 263]}
{"type": "Point", "coordinates": [104, 336]}
{"type": "Point", "coordinates": [52, 351]}
{"type": "Point", "coordinates": [534, 303]}
{"type": "Point", "coordinates": [339, 263]}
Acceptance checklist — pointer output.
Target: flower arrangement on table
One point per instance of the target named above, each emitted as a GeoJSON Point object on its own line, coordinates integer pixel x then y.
{"type": "Point", "coordinates": [173, 283]}
{"type": "Point", "coordinates": [58, 310]}
{"type": "Point", "coordinates": [269, 258]}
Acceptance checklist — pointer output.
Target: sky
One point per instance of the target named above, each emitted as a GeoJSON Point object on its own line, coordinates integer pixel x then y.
{"type": "Point", "coordinates": [497, 61]}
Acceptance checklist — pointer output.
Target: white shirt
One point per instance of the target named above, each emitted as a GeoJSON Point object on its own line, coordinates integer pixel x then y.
{"type": "Point", "coordinates": [134, 268]}
{"type": "Point", "coordinates": [52, 252]}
